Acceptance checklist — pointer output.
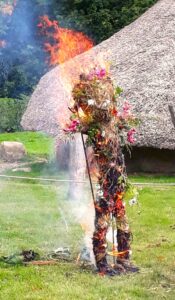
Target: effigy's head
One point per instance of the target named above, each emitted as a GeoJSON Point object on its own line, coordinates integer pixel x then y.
{"type": "Point", "coordinates": [94, 97]}
{"type": "Point", "coordinates": [95, 110]}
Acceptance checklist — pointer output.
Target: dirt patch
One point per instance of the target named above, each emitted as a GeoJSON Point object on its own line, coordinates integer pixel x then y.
{"type": "Point", "coordinates": [18, 166]}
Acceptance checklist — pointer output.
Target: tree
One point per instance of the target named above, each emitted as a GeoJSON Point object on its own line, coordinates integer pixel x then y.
{"type": "Point", "coordinates": [99, 18]}
{"type": "Point", "coordinates": [23, 59]}
{"type": "Point", "coordinates": [22, 55]}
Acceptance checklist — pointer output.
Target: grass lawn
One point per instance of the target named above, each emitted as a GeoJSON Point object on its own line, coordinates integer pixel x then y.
{"type": "Point", "coordinates": [31, 217]}
{"type": "Point", "coordinates": [37, 144]}
{"type": "Point", "coordinates": [38, 216]}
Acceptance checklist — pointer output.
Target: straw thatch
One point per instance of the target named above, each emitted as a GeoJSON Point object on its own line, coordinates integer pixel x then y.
{"type": "Point", "coordinates": [142, 57]}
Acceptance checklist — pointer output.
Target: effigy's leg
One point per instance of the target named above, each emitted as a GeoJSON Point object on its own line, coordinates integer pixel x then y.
{"type": "Point", "coordinates": [99, 239]}
{"type": "Point", "coordinates": [124, 236]}
{"type": "Point", "coordinates": [123, 232]}
{"type": "Point", "coordinates": [102, 220]}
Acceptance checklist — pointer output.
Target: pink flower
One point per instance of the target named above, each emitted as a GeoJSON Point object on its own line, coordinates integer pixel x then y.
{"type": "Point", "coordinates": [100, 73]}
{"type": "Point", "coordinates": [72, 127]}
{"type": "Point", "coordinates": [130, 136]}
{"type": "Point", "coordinates": [90, 75]}
{"type": "Point", "coordinates": [126, 109]}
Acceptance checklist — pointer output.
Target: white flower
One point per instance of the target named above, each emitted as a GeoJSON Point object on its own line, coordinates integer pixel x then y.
{"type": "Point", "coordinates": [130, 252]}
{"type": "Point", "coordinates": [105, 103]}
{"type": "Point", "coordinates": [103, 133]}
{"type": "Point", "coordinates": [100, 193]}
{"type": "Point", "coordinates": [91, 102]}
{"type": "Point", "coordinates": [133, 201]}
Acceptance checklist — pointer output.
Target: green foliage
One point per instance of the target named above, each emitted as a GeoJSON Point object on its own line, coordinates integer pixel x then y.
{"type": "Point", "coordinates": [131, 191]}
{"type": "Point", "coordinates": [11, 111]}
{"type": "Point", "coordinates": [19, 81]}
{"type": "Point", "coordinates": [118, 91]}
{"type": "Point", "coordinates": [100, 18]}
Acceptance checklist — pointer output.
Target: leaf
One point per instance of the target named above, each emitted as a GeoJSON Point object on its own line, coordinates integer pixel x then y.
{"type": "Point", "coordinates": [118, 91]}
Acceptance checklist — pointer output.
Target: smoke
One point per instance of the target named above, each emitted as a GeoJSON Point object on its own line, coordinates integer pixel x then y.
{"type": "Point", "coordinates": [22, 21]}
{"type": "Point", "coordinates": [75, 205]}
{"type": "Point", "coordinates": [80, 196]}
{"type": "Point", "coordinates": [23, 47]}
{"type": "Point", "coordinates": [22, 53]}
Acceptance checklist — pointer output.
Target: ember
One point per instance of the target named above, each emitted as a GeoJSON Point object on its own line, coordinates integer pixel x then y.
{"type": "Point", "coordinates": [62, 44]}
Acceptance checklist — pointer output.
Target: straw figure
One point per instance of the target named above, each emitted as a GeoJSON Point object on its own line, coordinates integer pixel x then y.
{"type": "Point", "coordinates": [95, 114]}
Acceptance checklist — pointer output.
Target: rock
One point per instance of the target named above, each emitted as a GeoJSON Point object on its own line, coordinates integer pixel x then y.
{"type": "Point", "coordinates": [12, 151]}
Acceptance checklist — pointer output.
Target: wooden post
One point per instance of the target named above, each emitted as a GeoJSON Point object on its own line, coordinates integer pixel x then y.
{"type": "Point", "coordinates": [88, 169]}
{"type": "Point", "coordinates": [172, 113]}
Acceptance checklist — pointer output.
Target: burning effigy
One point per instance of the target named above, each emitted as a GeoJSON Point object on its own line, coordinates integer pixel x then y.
{"type": "Point", "coordinates": [95, 114]}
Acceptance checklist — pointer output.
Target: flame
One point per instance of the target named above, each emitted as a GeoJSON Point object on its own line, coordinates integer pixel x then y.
{"type": "Point", "coordinates": [2, 43]}
{"type": "Point", "coordinates": [63, 44]}
{"type": "Point", "coordinates": [8, 7]}
{"type": "Point", "coordinates": [115, 253]}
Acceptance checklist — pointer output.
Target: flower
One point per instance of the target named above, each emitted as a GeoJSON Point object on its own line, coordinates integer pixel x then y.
{"type": "Point", "coordinates": [103, 133]}
{"type": "Point", "coordinates": [72, 127]}
{"type": "Point", "coordinates": [130, 136]}
{"type": "Point", "coordinates": [126, 109]}
{"type": "Point", "coordinates": [112, 164]}
{"type": "Point", "coordinates": [100, 73]}
{"type": "Point", "coordinates": [91, 102]}
{"type": "Point", "coordinates": [100, 193]}
{"type": "Point", "coordinates": [133, 201]}
{"type": "Point", "coordinates": [106, 103]}
{"type": "Point", "coordinates": [114, 112]}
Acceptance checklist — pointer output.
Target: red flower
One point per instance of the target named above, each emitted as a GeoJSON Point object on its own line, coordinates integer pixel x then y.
{"type": "Point", "coordinates": [114, 112]}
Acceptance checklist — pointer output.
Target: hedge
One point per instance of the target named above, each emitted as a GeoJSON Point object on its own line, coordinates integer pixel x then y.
{"type": "Point", "coordinates": [11, 111]}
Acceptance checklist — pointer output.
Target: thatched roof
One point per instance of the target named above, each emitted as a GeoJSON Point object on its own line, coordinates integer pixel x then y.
{"type": "Point", "coordinates": [142, 56]}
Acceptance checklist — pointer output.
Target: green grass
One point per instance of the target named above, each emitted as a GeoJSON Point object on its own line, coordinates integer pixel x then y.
{"type": "Point", "coordinates": [30, 218]}
{"type": "Point", "coordinates": [150, 178]}
{"type": "Point", "coordinates": [37, 144]}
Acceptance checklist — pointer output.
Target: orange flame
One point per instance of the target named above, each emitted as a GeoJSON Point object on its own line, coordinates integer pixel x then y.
{"type": "Point", "coordinates": [63, 44]}
{"type": "Point", "coordinates": [7, 8]}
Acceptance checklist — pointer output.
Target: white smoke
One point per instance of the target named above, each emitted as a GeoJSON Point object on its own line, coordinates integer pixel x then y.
{"type": "Point", "coordinates": [80, 193]}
